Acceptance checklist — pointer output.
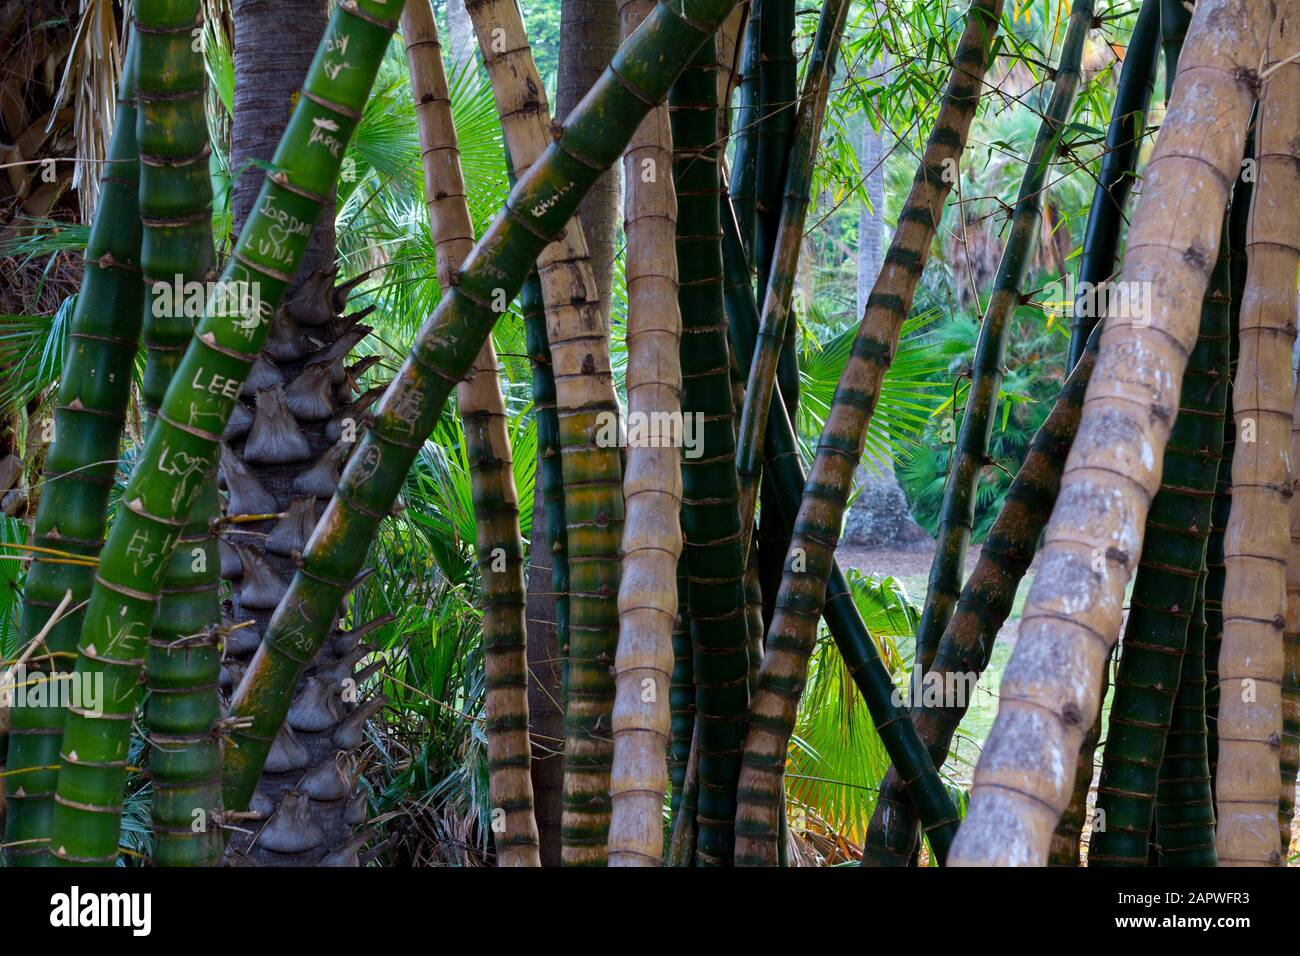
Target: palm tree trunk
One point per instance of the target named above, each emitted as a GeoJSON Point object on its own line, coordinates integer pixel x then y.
{"type": "Point", "coordinates": [970, 453]}
{"type": "Point", "coordinates": [184, 662]}
{"type": "Point", "coordinates": [1049, 691]}
{"type": "Point", "coordinates": [1251, 661]}
{"type": "Point", "coordinates": [1164, 594]}
{"type": "Point", "coordinates": [803, 588]}
{"type": "Point", "coordinates": [652, 487]}
{"type": "Point", "coordinates": [710, 519]}
{"type": "Point", "coordinates": [540, 205]}
{"type": "Point", "coordinates": [89, 415]}
{"type": "Point", "coordinates": [1104, 231]}
{"type": "Point", "coordinates": [592, 471]}
{"type": "Point", "coordinates": [183, 445]}
{"type": "Point", "coordinates": [487, 446]}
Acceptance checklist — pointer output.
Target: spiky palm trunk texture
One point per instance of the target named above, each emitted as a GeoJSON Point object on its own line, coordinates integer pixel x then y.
{"type": "Point", "coordinates": [89, 415]}
{"type": "Point", "coordinates": [1049, 692]}
{"type": "Point", "coordinates": [652, 488]}
{"type": "Point", "coordinates": [487, 446]}
{"type": "Point", "coordinates": [592, 470]}
{"type": "Point", "coordinates": [817, 528]}
{"type": "Point", "coordinates": [970, 453]}
{"type": "Point", "coordinates": [986, 601]}
{"type": "Point", "coordinates": [1252, 659]}
{"type": "Point", "coordinates": [540, 205]}
{"type": "Point", "coordinates": [184, 659]}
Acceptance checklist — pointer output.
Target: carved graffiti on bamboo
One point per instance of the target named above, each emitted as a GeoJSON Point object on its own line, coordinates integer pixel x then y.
{"type": "Point", "coordinates": [405, 408]}
{"type": "Point", "coordinates": [291, 633]}
{"type": "Point", "coordinates": [143, 554]}
{"type": "Point", "coordinates": [336, 46]}
{"type": "Point", "coordinates": [183, 467]}
{"type": "Point", "coordinates": [366, 465]}
{"type": "Point", "coordinates": [275, 245]}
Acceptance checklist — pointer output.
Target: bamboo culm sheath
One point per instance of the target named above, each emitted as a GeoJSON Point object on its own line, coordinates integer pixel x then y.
{"type": "Point", "coordinates": [799, 602]}
{"type": "Point", "coordinates": [970, 453]}
{"type": "Point", "coordinates": [544, 199]}
{"type": "Point", "coordinates": [183, 445]}
{"type": "Point", "coordinates": [89, 415]}
{"type": "Point", "coordinates": [183, 662]}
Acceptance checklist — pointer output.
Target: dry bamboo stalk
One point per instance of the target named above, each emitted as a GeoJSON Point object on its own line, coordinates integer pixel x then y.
{"type": "Point", "coordinates": [1049, 692]}
{"type": "Point", "coordinates": [652, 488]}
{"type": "Point", "coordinates": [586, 402]}
{"type": "Point", "coordinates": [1258, 535]}
{"type": "Point", "coordinates": [496, 505]}
{"type": "Point", "coordinates": [1290, 753]}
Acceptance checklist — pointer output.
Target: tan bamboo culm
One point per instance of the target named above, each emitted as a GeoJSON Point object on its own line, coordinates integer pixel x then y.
{"type": "Point", "coordinates": [585, 404]}
{"type": "Point", "coordinates": [1258, 536]}
{"type": "Point", "coordinates": [1050, 690]}
{"type": "Point", "coordinates": [496, 504]}
{"type": "Point", "coordinates": [652, 488]}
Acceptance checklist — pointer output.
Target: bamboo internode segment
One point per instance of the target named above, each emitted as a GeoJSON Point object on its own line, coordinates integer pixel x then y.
{"type": "Point", "coordinates": [1289, 755]}
{"type": "Point", "coordinates": [970, 452]}
{"type": "Point", "coordinates": [540, 205]}
{"type": "Point", "coordinates": [816, 530]}
{"type": "Point", "coordinates": [487, 445]}
{"type": "Point", "coordinates": [585, 399]}
{"type": "Point", "coordinates": [89, 414]}
{"type": "Point", "coordinates": [986, 601]}
{"type": "Point", "coordinates": [1251, 660]}
{"type": "Point", "coordinates": [183, 444]}
{"type": "Point", "coordinates": [652, 487]}
{"type": "Point", "coordinates": [183, 664]}
{"type": "Point", "coordinates": [1050, 689]}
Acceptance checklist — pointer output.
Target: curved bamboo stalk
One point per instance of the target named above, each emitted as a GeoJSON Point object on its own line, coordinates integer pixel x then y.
{"type": "Point", "coordinates": [1071, 620]}
{"type": "Point", "coordinates": [1164, 597]}
{"type": "Point", "coordinates": [970, 453]}
{"type": "Point", "coordinates": [592, 468]}
{"type": "Point", "coordinates": [183, 661]}
{"type": "Point", "coordinates": [89, 414]}
{"type": "Point", "coordinates": [487, 446]}
{"type": "Point", "coordinates": [985, 603]}
{"type": "Point", "coordinates": [540, 205]}
{"type": "Point", "coordinates": [183, 444]}
{"type": "Point", "coordinates": [652, 487]}
{"type": "Point", "coordinates": [817, 528]}
{"type": "Point", "coordinates": [789, 240]}
{"type": "Point", "coordinates": [710, 519]}
{"type": "Point", "coordinates": [1251, 660]}
{"type": "Point", "coordinates": [1104, 231]}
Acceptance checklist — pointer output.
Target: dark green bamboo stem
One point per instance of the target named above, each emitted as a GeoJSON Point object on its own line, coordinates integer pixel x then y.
{"type": "Point", "coordinates": [775, 317]}
{"type": "Point", "coordinates": [778, 89]}
{"type": "Point", "coordinates": [1106, 215]}
{"type": "Point", "coordinates": [183, 661]}
{"type": "Point", "coordinates": [183, 444]}
{"type": "Point", "coordinates": [744, 178]}
{"type": "Point", "coordinates": [540, 204]}
{"type": "Point", "coordinates": [970, 454]}
{"type": "Point", "coordinates": [89, 415]}
{"type": "Point", "coordinates": [1175, 18]}
{"type": "Point", "coordinates": [1216, 574]}
{"type": "Point", "coordinates": [1162, 602]}
{"type": "Point", "coordinates": [985, 603]}
{"type": "Point", "coordinates": [710, 519]}
{"type": "Point", "coordinates": [681, 693]}
{"type": "Point", "coordinates": [856, 647]}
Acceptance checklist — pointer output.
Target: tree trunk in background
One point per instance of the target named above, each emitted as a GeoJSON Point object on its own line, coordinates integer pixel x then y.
{"type": "Point", "coordinates": [461, 43]}
{"type": "Point", "coordinates": [879, 516]}
{"type": "Point", "coordinates": [588, 39]}
{"type": "Point", "coordinates": [307, 795]}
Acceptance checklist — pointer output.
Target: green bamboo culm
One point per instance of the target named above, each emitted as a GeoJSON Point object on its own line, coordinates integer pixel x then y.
{"type": "Point", "coordinates": [540, 204]}
{"type": "Point", "coordinates": [775, 318]}
{"type": "Point", "coordinates": [681, 691]}
{"type": "Point", "coordinates": [182, 447]}
{"type": "Point", "coordinates": [710, 519]}
{"type": "Point", "coordinates": [549, 463]}
{"type": "Point", "coordinates": [89, 415]}
{"type": "Point", "coordinates": [986, 602]}
{"type": "Point", "coordinates": [1175, 18]}
{"type": "Point", "coordinates": [744, 176]}
{"type": "Point", "coordinates": [793, 632]}
{"type": "Point", "coordinates": [970, 453]}
{"type": "Point", "coordinates": [1105, 228]}
{"type": "Point", "coordinates": [785, 471]}
{"type": "Point", "coordinates": [1160, 610]}
{"type": "Point", "coordinates": [1215, 570]}
{"type": "Point", "coordinates": [183, 662]}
